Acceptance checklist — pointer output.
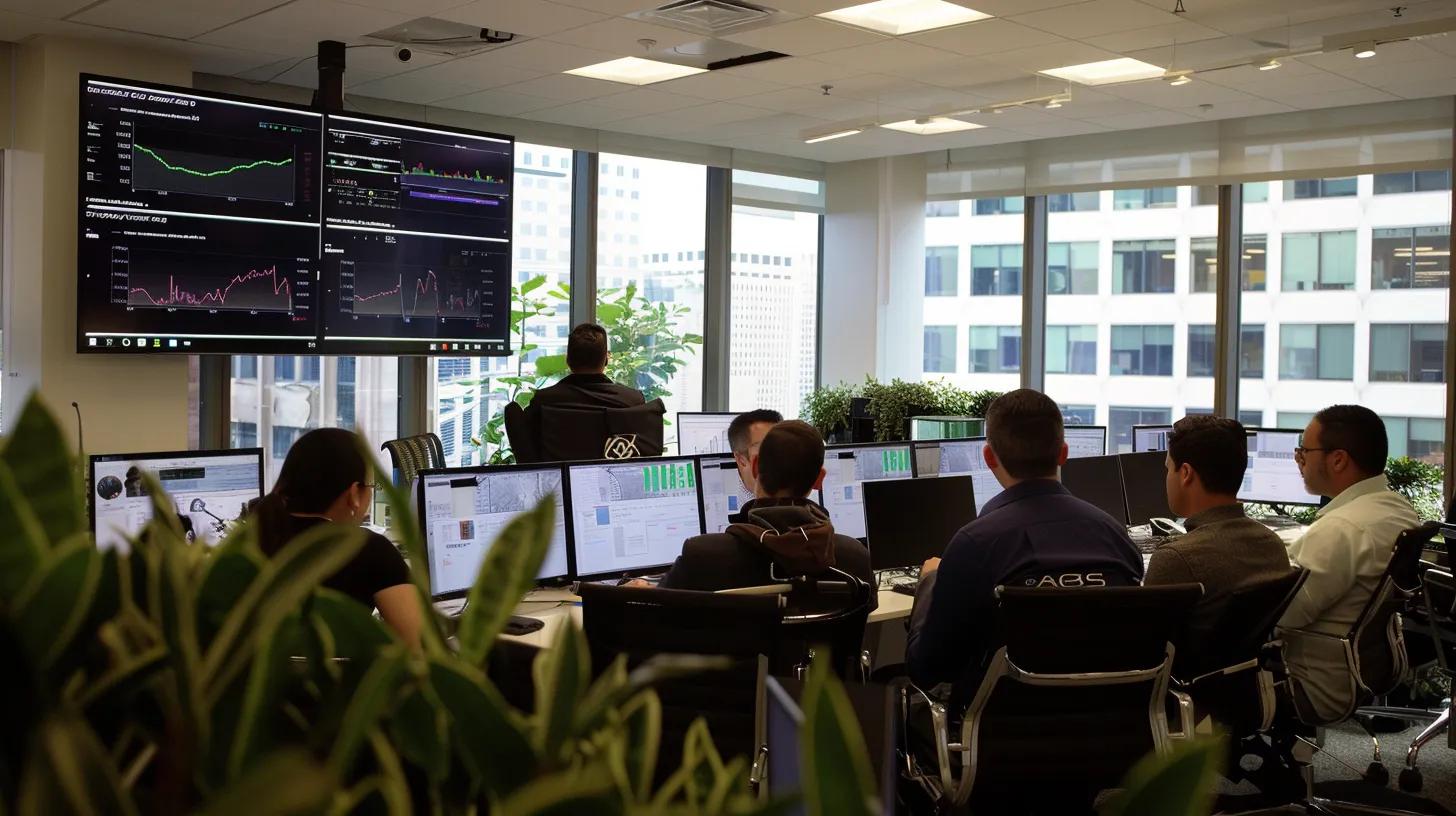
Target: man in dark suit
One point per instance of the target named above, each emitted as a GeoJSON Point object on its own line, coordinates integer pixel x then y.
{"type": "Point", "coordinates": [782, 530]}
{"type": "Point", "coordinates": [587, 385]}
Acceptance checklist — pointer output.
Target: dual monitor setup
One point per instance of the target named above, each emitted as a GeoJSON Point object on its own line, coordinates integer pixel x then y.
{"type": "Point", "coordinates": [1272, 475]}
{"type": "Point", "coordinates": [219, 224]}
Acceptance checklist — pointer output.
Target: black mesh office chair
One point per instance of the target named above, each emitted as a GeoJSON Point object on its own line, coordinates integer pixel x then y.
{"type": "Point", "coordinates": [574, 433]}
{"type": "Point", "coordinates": [521, 433]}
{"type": "Point", "coordinates": [825, 612]}
{"type": "Point", "coordinates": [641, 623]}
{"type": "Point", "coordinates": [412, 454]}
{"type": "Point", "coordinates": [1076, 695]}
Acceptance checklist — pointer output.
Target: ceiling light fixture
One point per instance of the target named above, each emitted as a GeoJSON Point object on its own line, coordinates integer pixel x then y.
{"type": "Point", "coordinates": [838, 134]}
{"type": "Point", "coordinates": [1270, 65]}
{"type": "Point", "coordinates": [931, 125]}
{"type": "Point", "coordinates": [1179, 79]}
{"type": "Point", "coordinates": [1364, 50]}
{"type": "Point", "coordinates": [1053, 104]}
{"type": "Point", "coordinates": [636, 71]}
{"type": "Point", "coordinates": [1106, 72]}
{"type": "Point", "coordinates": [897, 17]}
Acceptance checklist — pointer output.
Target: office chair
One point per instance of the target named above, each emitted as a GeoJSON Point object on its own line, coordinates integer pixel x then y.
{"type": "Point", "coordinates": [822, 614]}
{"type": "Point", "coordinates": [641, 623]}
{"type": "Point", "coordinates": [574, 433]}
{"type": "Point", "coordinates": [1075, 695]}
{"type": "Point", "coordinates": [412, 454]}
{"type": "Point", "coordinates": [521, 433]}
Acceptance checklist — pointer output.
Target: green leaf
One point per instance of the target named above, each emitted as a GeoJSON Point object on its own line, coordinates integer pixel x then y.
{"type": "Point", "coordinates": [532, 284]}
{"type": "Point", "coordinates": [568, 793]}
{"type": "Point", "coordinates": [836, 774]}
{"type": "Point", "coordinates": [261, 697]}
{"type": "Point", "coordinates": [1181, 783]}
{"type": "Point", "coordinates": [288, 781]}
{"type": "Point", "coordinates": [551, 365]}
{"type": "Point", "coordinates": [562, 675]}
{"type": "Point", "coordinates": [228, 574]}
{"type": "Point", "coordinates": [506, 573]}
{"type": "Point", "coordinates": [22, 538]}
{"type": "Point", "coordinates": [357, 634]}
{"type": "Point", "coordinates": [392, 786]}
{"type": "Point", "coordinates": [68, 771]}
{"type": "Point", "coordinates": [51, 608]}
{"type": "Point", "coordinates": [642, 719]}
{"type": "Point", "coordinates": [489, 741]}
{"type": "Point", "coordinates": [421, 730]}
{"type": "Point", "coordinates": [37, 454]}
{"type": "Point", "coordinates": [609, 313]}
{"type": "Point", "coordinates": [373, 697]}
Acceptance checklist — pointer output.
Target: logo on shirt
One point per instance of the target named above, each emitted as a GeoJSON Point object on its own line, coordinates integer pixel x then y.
{"type": "Point", "coordinates": [1070, 580]}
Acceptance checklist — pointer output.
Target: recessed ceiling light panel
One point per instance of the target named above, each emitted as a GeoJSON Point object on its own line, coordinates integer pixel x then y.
{"type": "Point", "coordinates": [636, 71]}
{"type": "Point", "coordinates": [1106, 72]}
{"type": "Point", "coordinates": [932, 125]}
{"type": "Point", "coordinates": [838, 134]}
{"type": "Point", "coordinates": [897, 17]}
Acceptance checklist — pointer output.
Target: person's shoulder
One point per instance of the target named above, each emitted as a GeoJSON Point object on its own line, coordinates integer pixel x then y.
{"type": "Point", "coordinates": [709, 544]}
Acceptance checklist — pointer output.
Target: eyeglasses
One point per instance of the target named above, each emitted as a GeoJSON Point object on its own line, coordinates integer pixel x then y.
{"type": "Point", "coordinates": [1300, 450]}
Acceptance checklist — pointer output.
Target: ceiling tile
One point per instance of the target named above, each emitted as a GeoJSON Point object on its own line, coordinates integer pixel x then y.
{"type": "Point", "coordinates": [1421, 87]}
{"type": "Point", "coordinates": [44, 8]}
{"type": "Point", "coordinates": [1161, 94]}
{"type": "Point", "coordinates": [474, 72]}
{"type": "Point", "coordinates": [1181, 33]}
{"type": "Point", "coordinates": [811, 6]}
{"type": "Point", "coordinates": [1090, 19]}
{"type": "Point", "coordinates": [1100, 111]}
{"type": "Point", "coordinates": [805, 36]}
{"type": "Point", "coordinates": [543, 57]}
{"type": "Point", "coordinates": [892, 57]}
{"type": "Point", "coordinates": [984, 37]}
{"type": "Point", "coordinates": [1344, 62]}
{"type": "Point", "coordinates": [1064, 127]}
{"type": "Point", "coordinates": [410, 88]}
{"type": "Point", "coordinates": [1042, 57]}
{"type": "Point", "coordinates": [413, 8]}
{"type": "Point", "coordinates": [1241, 108]}
{"type": "Point", "coordinates": [798, 71]}
{"type": "Point", "coordinates": [620, 36]}
{"type": "Point", "coordinates": [565, 88]}
{"type": "Point", "coordinates": [298, 26]}
{"type": "Point", "coordinates": [580, 114]}
{"type": "Point", "coordinates": [1206, 53]}
{"type": "Point", "coordinates": [1006, 8]}
{"type": "Point", "coordinates": [1275, 86]}
{"type": "Point", "coordinates": [530, 18]}
{"type": "Point", "coordinates": [170, 18]}
{"type": "Point", "coordinates": [723, 84]}
{"type": "Point", "coordinates": [1336, 99]}
{"type": "Point", "coordinates": [974, 74]}
{"type": "Point", "coordinates": [611, 8]}
{"type": "Point", "coordinates": [1150, 119]}
{"type": "Point", "coordinates": [639, 101]}
{"type": "Point", "coordinates": [497, 102]}
{"type": "Point", "coordinates": [210, 59]}
{"type": "Point", "coordinates": [813, 103]}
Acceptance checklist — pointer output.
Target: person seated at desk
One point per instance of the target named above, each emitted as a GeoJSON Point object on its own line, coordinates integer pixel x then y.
{"type": "Point", "coordinates": [587, 384]}
{"type": "Point", "coordinates": [782, 532]}
{"type": "Point", "coordinates": [1034, 533]}
{"type": "Point", "coordinates": [1346, 550]}
{"type": "Point", "coordinates": [1224, 549]}
{"type": "Point", "coordinates": [324, 479]}
{"type": "Point", "coordinates": [745, 434]}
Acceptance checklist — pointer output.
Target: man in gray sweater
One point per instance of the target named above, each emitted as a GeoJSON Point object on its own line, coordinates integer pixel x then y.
{"type": "Point", "coordinates": [1224, 549]}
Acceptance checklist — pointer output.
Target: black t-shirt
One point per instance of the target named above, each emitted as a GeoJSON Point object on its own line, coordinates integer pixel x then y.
{"type": "Point", "coordinates": [377, 565]}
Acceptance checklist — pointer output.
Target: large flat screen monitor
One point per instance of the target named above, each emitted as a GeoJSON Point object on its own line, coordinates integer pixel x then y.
{"type": "Point", "coordinates": [416, 238]}
{"type": "Point", "coordinates": [632, 517]}
{"type": "Point", "coordinates": [1150, 437]}
{"type": "Point", "coordinates": [1273, 476]}
{"type": "Point", "coordinates": [1085, 440]}
{"type": "Point", "coordinates": [1097, 480]}
{"type": "Point", "coordinates": [464, 509]}
{"type": "Point", "coordinates": [210, 490]}
{"type": "Point", "coordinates": [199, 222]}
{"type": "Point", "coordinates": [1145, 479]}
{"type": "Point", "coordinates": [910, 520]}
{"type": "Point", "coordinates": [959, 457]}
{"type": "Point", "coordinates": [699, 433]}
{"type": "Point", "coordinates": [847, 468]}
{"type": "Point", "coordinates": [724, 494]}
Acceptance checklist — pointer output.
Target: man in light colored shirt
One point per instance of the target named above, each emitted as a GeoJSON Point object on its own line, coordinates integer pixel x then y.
{"type": "Point", "coordinates": [1341, 455]}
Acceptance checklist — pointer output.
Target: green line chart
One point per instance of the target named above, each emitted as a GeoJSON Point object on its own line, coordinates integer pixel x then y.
{"type": "Point", "coordinates": [210, 173]}
{"type": "Point", "coordinates": [244, 171]}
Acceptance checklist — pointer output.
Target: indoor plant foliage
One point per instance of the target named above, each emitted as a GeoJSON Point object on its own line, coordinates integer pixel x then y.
{"type": "Point", "coordinates": [891, 405]}
{"type": "Point", "coordinates": [1421, 483]}
{"type": "Point", "coordinates": [174, 678]}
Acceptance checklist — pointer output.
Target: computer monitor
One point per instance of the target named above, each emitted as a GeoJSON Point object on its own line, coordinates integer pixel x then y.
{"type": "Point", "coordinates": [1098, 481]}
{"type": "Point", "coordinates": [783, 722]}
{"type": "Point", "coordinates": [958, 457]}
{"type": "Point", "coordinates": [210, 489]}
{"type": "Point", "coordinates": [1150, 437]}
{"type": "Point", "coordinates": [699, 433]}
{"type": "Point", "coordinates": [909, 520]}
{"type": "Point", "coordinates": [1273, 476]}
{"type": "Point", "coordinates": [879, 715]}
{"type": "Point", "coordinates": [1145, 479]}
{"type": "Point", "coordinates": [1085, 440]}
{"type": "Point", "coordinates": [723, 492]}
{"type": "Point", "coordinates": [632, 517]}
{"type": "Point", "coordinates": [464, 509]}
{"type": "Point", "coordinates": [847, 468]}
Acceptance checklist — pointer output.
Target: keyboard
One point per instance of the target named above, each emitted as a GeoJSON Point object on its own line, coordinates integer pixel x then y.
{"type": "Point", "coordinates": [1143, 538]}
{"type": "Point", "coordinates": [903, 581]}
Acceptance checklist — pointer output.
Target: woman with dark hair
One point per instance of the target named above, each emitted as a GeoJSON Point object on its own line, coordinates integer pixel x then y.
{"type": "Point", "coordinates": [325, 478]}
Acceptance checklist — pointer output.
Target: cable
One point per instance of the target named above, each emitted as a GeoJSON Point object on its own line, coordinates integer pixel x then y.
{"type": "Point", "coordinates": [302, 60]}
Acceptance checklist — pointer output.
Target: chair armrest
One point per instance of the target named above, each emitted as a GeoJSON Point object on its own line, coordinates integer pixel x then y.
{"type": "Point", "coordinates": [1186, 722]}
{"type": "Point", "coordinates": [940, 721]}
{"type": "Point", "coordinates": [1237, 668]}
{"type": "Point", "coordinates": [1312, 633]}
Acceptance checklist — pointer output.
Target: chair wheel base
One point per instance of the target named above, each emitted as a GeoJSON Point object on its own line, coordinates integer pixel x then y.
{"type": "Point", "coordinates": [1377, 775]}
{"type": "Point", "coordinates": [1410, 780]}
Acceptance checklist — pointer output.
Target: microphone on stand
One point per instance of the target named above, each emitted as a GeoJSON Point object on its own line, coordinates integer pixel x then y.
{"type": "Point", "coordinates": [80, 436]}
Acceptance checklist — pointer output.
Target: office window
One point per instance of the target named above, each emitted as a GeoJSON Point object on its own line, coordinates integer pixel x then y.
{"type": "Point", "coordinates": [1254, 263]}
{"type": "Point", "coordinates": [1417, 437]}
{"type": "Point", "coordinates": [1120, 420]}
{"type": "Point", "coordinates": [1410, 258]}
{"type": "Point", "coordinates": [1205, 195]}
{"type": "Point", "coordinates": [940, 349]}
{"type": "Point", "coordinates": [1319, 188]}
{"type": "Point", "coordinates": [942, 209]}
{"type": "Point", "coordinates": [1144, 351]}
{"type": "Point", "coordinates": [996, 270]}
{"type": "Point", "coordinates": [940, 271]}
{"type": "Point", "coordinates": [1200, 351]}
{"type": "Point", "coordinates": [775, 313]}
{"type": "Point", "coordinates": [1256, 192]}
{"type": "Point", "coordinates": [1419, 181]}
{"type": "Point", "coordinates": [1079, 414]}
{"type": "Point", "coordinates": [1071, 350]}
{"type": "Point", "coordinates": [999, 206]}
{"type": "Point", "coordinates": [1074, 202]}
{"type": "Point", "coordinates": [1072, 268]}
{"type": "Point", "coordinates": [1316, 352]}
{"type": "Point", "coordinates": [1203, 265]}
{"type": "Point", "coordinates": [1407, 353]}
{"type": "Point", "coordinates": [1319, 260]}
{"type": "Point", "coordinates": [1149, 198]}
{"type": "Point", "coordinates": [1140, 267]}
{"type": "Point", "coordinates": [1251, 352]}
{"type": "Point", "coordinates": [244, 434]}
{"type": "Point", "coordinates": [995, 349]}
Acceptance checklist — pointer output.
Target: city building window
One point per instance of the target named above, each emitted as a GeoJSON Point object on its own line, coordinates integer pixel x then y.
{"type": "Point", "coordinates": [996, 270]}
{"type": "Point", "coordinates": [1071, 350]}
{"type": "Point", "coordinates": [1410, 258]}
{"type": "Point", "coordinates": [1074, 202]}
{"type": "Point", "coordinates": [1144, 351]}
{"type": "Point", "coordinates": [1316, 352]}
{"type": "Point", "coordinates": [1251, 352]}
{"type": "Point", "coordinates": [1147, 198]}
{"type": "Point", "coordinates": [995, 349]}
{"type": "Point", "coordinates": [940, 349]}
{"type": "Point", "coordinates": [1417, 437]}
{"type": "Point", "coordinates": [1200, 351]}
{"type": "Point", "coordinates": [1256, 192]}
{"type": "Point", "coordinates": [244, 434]}
{"type": "Point", "coordinates": [1254, 262]}
{"type": "Point", "coordinates": [1206, 195]}
{"type": "Point", "coordinates": [245, 367]}
{"type": "Point", "coordinates": [1319, 260]}
{"type": "Point", "coordinates": [1079, 414]}
{"type": "Point", "coordinates": [1120, 420]}
{"type": "Point", "coordinates": [1203, 265]}
{"type": "Point", "coordinates": [1072, 268]}
{"type": "Point", "coordinates": [1319, 188]}
{"type": "Point", "coordinates": [1143, 266]}
{"type": "Point", "coordinates": [942, 209]}
{"type": "Point", "coordinates": [940, 271]}
{"type": "Point", "coordinates": [1407, 353]}
{"type": "Point", "coordinates": [998, 206]}
{"type": "Point", "coordinates": [1418, 181]}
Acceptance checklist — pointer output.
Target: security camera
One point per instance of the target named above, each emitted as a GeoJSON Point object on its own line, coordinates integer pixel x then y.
{"type": "Point", "coordinates": [403, 54]}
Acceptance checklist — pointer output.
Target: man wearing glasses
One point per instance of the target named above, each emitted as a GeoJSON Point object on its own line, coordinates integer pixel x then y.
{"type": "Point", "coordinates": [1342, 456]}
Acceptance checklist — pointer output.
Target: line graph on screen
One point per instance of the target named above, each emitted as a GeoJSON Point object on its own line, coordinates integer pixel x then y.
{"type": "Point", "coordinates": [225, 168]}
{"type": "Point", "coordinates": [202, 281]}
{"type": "Point", "coordinates": [405, 290]}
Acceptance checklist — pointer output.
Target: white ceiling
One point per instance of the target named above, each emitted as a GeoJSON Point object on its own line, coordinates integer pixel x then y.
{"type": "Point", "coordinates": [767, 106]}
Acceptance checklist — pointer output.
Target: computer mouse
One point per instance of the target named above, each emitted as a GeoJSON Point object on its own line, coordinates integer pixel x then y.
{"type": "Point", "coordinates": [1166, 527]}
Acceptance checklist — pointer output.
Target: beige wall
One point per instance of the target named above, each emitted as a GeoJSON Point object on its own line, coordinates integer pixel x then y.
{"type": "Point", "coordinates": [129, 403]}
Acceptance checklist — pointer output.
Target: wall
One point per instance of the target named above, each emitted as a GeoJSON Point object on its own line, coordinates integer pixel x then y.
{"type": "Point", "coordinates": [130, 403]}
{"type": "Point", "coordinates": [874, 255]}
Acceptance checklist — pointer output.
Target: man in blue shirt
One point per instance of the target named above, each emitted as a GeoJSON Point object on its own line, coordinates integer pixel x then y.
{"type": "Point", "coordinates": [1034, 533]}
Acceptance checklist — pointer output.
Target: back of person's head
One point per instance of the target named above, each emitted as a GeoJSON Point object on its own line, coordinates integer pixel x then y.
{"type": "Point", "coordinates": [790, 459]}
{"type": "Point", "coordinates": [738, 429]}
{"type": "Point", "coordinates": [320, 467]}
{"type": "Point", "coordinates": [1024, 430]}
{"type": "Point", "coordinates": [1215, 447]}
{"type": "Point", "coordinates": [586, 349]}
{"type": "Point", "coordinates": [1356, 430]}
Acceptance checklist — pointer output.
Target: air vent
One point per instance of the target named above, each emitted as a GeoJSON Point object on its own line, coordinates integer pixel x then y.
{"type": "Point", "coordinates": [711, 16]}
{"type": "Point", "coordinates": [445, 37]}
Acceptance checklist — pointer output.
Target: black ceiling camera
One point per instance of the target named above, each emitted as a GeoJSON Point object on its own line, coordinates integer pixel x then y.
{"type": "Point", "coordinates": [403, 54]}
